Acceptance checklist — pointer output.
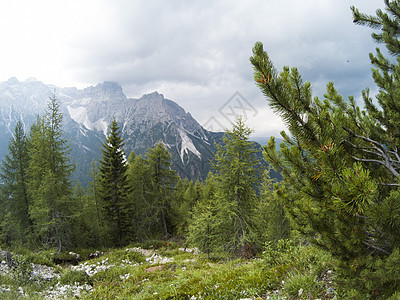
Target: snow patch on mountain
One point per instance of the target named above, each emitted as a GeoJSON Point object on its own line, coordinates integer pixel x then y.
{"type": "Point", "coordinates": [187, 145]}
{"type": "Point", "coordinates": [79, 115]}
{"type": "Point", "coordinates": [101, 125]}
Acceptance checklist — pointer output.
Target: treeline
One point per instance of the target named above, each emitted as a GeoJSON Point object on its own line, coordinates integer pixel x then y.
{"type": "Point", "coordinates": [135, 198]}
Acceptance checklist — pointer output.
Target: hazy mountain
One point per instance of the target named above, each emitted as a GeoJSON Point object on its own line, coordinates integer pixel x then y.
{"type": "Point", "coordinates": [88, 112]}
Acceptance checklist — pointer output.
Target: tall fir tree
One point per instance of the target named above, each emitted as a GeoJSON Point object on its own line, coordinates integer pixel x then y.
{"type": "Point", "coordinates": [163, 180]}
{"type": "Point", "coordinates": [49, 171]}
{"type": "Point", "coordinates": [341, 165]}
{"type": "Point", "coordinates": [115, 187]}
{"type": "Point", "coordinates": [14, 178]}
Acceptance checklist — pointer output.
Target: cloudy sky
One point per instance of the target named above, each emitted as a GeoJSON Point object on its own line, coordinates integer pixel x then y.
{"type": "Point", "coordinates": [193, 52]}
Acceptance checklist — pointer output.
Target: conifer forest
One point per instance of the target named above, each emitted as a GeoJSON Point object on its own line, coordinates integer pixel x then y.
{"type": "Point", "coordinates": [328, 229]}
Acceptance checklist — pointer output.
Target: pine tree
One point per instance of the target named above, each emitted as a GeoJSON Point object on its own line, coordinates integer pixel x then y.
{"type": "Point", "coordinates": [238, 172]}
{"type": "Point", "coordinates": [114, 186]}
{"type": "Point", "coordinates": [341, 165]}
{"type": "Point", "coordinates": [49, 171]}
{"type": "Point", "coordinates": [163, 180]}
{"type": "Point", "coordinates": [13, 174]}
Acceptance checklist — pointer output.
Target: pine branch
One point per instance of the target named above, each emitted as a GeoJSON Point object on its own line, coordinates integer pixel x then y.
{"type": "Point", "coordinates": [389, 163]}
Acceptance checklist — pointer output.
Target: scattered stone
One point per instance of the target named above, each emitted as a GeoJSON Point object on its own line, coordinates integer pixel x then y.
{"type": "Point", "coordinates": [91, 269]}
{"type": "Point", "coordinates": [195, 251]}
{"type": "Point", "coordinates": [59, 291]}
{"type": "Point", "coordinates": [4, 267]}
{"type": "Point", "coordinates": [96, 254]}
{"type": "Point", "coordinates": [44, 272]}
{"type": "Point", "coordinates": [157, 259]}
{"type": "Point", "coordinates": [144, 252]}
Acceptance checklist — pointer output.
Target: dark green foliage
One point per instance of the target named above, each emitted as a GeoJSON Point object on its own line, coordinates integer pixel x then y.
{"type": "Point", "coordinates": [93, 230]}
{"type": "Point", "coordinates": [114, 186]}
{"type": "Point", "coordinates": [14, 194]}
{"type": "Point", "coordinates": [341, 164]}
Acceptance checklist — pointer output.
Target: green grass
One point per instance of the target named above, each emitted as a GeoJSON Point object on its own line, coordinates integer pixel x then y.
{"type": "Point", "coordinates": [281, 271]}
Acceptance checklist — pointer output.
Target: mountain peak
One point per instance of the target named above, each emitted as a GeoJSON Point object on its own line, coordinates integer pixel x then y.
{"type": "Point", "coordinates": [154, 94]}
{"type": "Point", "coordinates": [105, 91]}
{"type": "Point", "coordinates": [13, 80]}
{"type": "Point", "coordinates": [31, 79]}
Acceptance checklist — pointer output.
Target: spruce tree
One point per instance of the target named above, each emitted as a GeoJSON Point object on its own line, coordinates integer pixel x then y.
{"type": "Point", "coordinates": [340, 163]}
{"type": "Point", "coordinates": [114, 186]}
{"type": "Point", "coordinates": [14, 178]}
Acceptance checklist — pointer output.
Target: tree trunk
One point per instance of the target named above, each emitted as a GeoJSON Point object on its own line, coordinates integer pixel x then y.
{"type": "Point", "coordinates": [164, 226]}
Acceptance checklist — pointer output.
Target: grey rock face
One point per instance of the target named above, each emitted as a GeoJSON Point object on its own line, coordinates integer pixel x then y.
{"type": "Point", "coordinates": [88, 112]}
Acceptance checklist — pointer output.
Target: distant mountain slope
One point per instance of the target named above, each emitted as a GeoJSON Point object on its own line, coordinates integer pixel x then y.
{"type": "Point", "coordinates": [88, 112]}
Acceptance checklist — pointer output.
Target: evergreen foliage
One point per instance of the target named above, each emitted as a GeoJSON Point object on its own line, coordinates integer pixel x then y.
{"type": "Point", "coordinates": [92, 229]}
{"type": "Point", "coordinates": [14, 193]}
{"type": "Point", "coordinates": [340, 163]}
{"type": "Point", "coordinates": [114, 186]}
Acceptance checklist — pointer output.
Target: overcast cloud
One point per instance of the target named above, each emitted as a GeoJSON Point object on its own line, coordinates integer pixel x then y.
{"type": "Point", "coordinates": [194, 52]}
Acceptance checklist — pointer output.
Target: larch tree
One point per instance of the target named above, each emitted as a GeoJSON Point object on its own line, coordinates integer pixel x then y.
{"type": "Point", "coordinates": [340, 164]}
{"type": "Point", "coordinates": [139, 179]}
{"type": "Point", "coordinates": [204, 226]}
{"type": "Point", "coordinates": [237, 171]}
{"type": "Point", "coordinates": [163, 180]}
{"type": "Point", "coordinates": [49, 171]}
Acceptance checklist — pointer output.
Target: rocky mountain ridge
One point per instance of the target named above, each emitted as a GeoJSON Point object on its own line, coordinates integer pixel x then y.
{"type": "Point", "coordinates": [88, 112]}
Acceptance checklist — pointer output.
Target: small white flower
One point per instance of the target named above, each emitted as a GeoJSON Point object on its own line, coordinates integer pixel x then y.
{"type": "Point", "coordinates": [300, 292]}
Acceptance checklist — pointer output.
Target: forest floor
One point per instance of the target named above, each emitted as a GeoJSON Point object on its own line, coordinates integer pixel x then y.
{"type": "Point", "coordinates": [166, 270]}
